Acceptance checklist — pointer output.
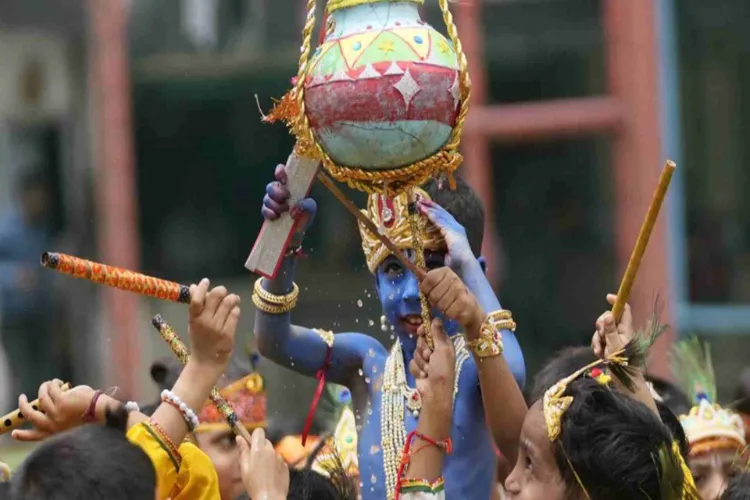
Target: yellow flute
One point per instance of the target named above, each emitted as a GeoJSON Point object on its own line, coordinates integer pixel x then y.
{"type": "Point", "coordinates": [15, 419]}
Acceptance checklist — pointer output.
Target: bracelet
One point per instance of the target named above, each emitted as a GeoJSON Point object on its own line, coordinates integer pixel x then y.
{"type": "Point", "coordinates": [174, 401]}
{"type": "Point", "coordinates": [158, 432]}
{"type": "Point", "coordinates": [89, 416]}
{"type": "Point", "coordinates": [490, 340]}
{"type": "Point", "coordinates": [411, 485]}
{"type": "Point", "coordinates": [445, 445]}
{"type": "Point", "coordinates": [271, 308]}
{"type": "Point", "coordinates": [278, 300]}
{"type": "Point", "coordinates": [132, 406]}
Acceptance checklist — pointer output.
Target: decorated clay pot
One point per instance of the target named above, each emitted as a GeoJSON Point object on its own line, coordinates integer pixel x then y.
{"type": "Point", "coordinates": [382, 90]}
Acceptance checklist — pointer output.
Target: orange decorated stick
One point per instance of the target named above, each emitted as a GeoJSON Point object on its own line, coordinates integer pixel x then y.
{"type": "Point", "coordinates": [640, 246]}
{"type": "Point", "coordinates": [116, 277]}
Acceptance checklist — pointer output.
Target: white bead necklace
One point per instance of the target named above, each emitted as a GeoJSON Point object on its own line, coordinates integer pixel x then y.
{"type": "Point", "coordinates": [395, 392]}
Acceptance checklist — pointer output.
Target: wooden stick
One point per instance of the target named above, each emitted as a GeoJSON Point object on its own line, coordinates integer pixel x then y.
{"type": "Point", "coordinates": [180, 350]}
{"type": "Point", "coordinates": [640, 246]}
{"type": "Point", "coordinates": [14, 419]}
{"type": "Point", "coordinates": [352, 208]}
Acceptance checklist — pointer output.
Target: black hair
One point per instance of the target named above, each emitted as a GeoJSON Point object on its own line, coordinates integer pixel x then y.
{"type": "Point", "coordinates": [306, 484]}
{"type": "Point", "coordinates": [560, 365]}
{"type": "Point", "coordinates": [743, 393]}
{"type": "Point", "coordinates": [464, 205]}
{"type": "Point", "coordinates": [5, 491]}
{"type": "Point", "coordinates": [616, 445]}
{"type": "Point", "coordinates": [92, 462]}
{"type": "Point", "coordinates": [739, 488]}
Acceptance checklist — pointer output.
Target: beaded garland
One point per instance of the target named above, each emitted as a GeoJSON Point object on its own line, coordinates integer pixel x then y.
{"type": "Point", "coordinates": [395, 391]}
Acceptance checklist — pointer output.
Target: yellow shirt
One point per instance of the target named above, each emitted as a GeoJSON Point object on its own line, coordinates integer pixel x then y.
{"type": "Point", "coordinates": [192, 478]}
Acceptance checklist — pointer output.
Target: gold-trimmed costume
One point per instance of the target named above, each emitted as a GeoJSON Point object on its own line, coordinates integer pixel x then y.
{"type": "Point", "coordinates": [391, 216]}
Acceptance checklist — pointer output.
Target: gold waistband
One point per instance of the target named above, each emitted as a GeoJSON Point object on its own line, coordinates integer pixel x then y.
{"type": "Point", "coordinates": [334, 5]}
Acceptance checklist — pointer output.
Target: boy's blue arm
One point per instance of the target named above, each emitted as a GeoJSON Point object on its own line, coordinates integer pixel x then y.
{"type": "Point", "coordinates": [302, 349]}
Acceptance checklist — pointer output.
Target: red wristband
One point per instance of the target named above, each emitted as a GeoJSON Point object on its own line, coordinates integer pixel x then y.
{"type": "Point", "coordinates": [90, 415]}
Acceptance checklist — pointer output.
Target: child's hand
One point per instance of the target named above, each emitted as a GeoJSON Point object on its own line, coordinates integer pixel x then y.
{"type": "Point", "coordinates": [609, 338]}
{"type": "Point", "coordinates": [58, 410]}
{"type": "Point", "coordinates": [446, 292]}
{"type": "Point", "coordinates": [213, 322]}
{"type": "Point", "coordinates": [264, 473]}
{"type": "Point", "coordinates": [435, 379]}
{"type": "Point", "coordinates": [276, 203]}
{"type": "Point", "coordinates": [459, 249]}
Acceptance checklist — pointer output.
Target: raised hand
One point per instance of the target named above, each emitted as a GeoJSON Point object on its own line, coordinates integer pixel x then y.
{"type": "Point", "coordinates": [608, 337]}
{"type": "Point", "coordinates": [264, 473]}
{"type": "Point", "coordinates": [58, 410]}
{"type": "Point", "coordinates": [459, 249]}
{"type": "Point", "coordinates": [448, 293]}
{"type": "Point", "coordinates": [277, 202]}
{"type": "Point", "coordinates": [434, 370]}
{"type": "Point", "coordinates": [213, 322]}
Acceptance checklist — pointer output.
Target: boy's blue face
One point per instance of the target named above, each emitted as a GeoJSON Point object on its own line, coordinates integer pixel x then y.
{"type": "Point", "coordinates": [398, 290]}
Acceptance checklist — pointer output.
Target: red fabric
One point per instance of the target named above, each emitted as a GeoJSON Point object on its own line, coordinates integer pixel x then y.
{"type": "Point", "coordinates": [321, 376]}
{"type": "Point", "coordinates": [446, 446]}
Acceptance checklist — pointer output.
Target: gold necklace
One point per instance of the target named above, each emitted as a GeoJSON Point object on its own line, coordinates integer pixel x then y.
{"type": "Point", "coordinates": [395, 392]}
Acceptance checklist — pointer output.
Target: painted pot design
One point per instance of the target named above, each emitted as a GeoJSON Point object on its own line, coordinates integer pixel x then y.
{"type": "Point", "coordinates": [382, 91]}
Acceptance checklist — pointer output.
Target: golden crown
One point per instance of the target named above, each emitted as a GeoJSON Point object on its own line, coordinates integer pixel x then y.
{"type": "Point", "coordinates": [708, 427]}
{"type": "Point", "coordinates": [248, 399]}
{"type": "Point", "coordinates": [341, 447]}
{"type": "Point", "coordinates": [391, 216]}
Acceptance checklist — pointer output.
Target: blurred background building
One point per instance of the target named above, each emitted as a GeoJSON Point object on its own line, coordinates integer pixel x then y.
{"type": "Point", "coordinates": [141, 118]}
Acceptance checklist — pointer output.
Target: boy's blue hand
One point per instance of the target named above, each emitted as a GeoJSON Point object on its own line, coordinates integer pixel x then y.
{"type": "Point", "coordinates": [459, 249]}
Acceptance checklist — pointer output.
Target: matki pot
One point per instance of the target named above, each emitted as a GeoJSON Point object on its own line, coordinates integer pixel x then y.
{"type": "Point", "coordinates": [383, 99]}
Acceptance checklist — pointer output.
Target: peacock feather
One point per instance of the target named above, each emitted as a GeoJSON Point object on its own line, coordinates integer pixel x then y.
{"type": "Point", "coordinates": [636, 351]}
{"type": "Point", "coordinates": [693, 369]}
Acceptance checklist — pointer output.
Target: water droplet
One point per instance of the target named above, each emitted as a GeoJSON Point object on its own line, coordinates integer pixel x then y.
{"type": "Point", "coordinates": [361, 372]}
{"type": "Point", "coordinates": [371, 323]}
{"type": "Point", "coordinates": [359, 302]}
{"type": "Point", "coordinates": [356, 320]}
{"type": "Point", "coordinates": [369, 411]}
{"type": "Point", "coordinates": [371, 353]}
{"type": "Point", "coordinates": [374, 369]}
{"type": "Point", "coordinates": [367, 380]}
{"type": "Point", "coordinates": [374, 449]}
{"type": "Point", "coordinates": [292, 363]}
{"type": "Point", "coordinates": [373, 479]}
{"type": "Point", "coordinates": [393, 337]}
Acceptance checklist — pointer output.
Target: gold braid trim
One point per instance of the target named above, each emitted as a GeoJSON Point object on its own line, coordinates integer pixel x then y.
{"type": "Point", "coordinates": [334, 5]}
{"type": "Point", "coordinates": [291, 109]}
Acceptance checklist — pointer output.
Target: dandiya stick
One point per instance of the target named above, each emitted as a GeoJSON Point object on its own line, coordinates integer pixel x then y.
{"type": "Point", "coordinates": [116, 277]}
{"type": "Point", "coordinates": [640, 246]}
{"type": "Point", "coordinates": [183, 355]}
{"type": "Point", "coordinates": [15, 419]}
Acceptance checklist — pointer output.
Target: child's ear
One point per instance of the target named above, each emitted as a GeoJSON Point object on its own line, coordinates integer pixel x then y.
{"type": "Point", "coordinates": [483, 264]}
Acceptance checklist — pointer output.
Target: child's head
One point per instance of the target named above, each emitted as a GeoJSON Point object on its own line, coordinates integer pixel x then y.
{"type": "Point", "coordinates": [92, 462]}
{"type": "Point", "coordinates": [398, 289]}
{"type": "Point", "coordinates": [610, 444]}
{"type": "Point", "coordinates": [560, 365]}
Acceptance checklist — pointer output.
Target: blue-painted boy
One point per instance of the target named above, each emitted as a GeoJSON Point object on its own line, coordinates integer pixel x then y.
{"type": "Point", "coordinates": [382, 387]}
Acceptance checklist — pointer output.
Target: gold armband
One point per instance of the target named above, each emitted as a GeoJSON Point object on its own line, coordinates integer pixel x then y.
{"type": "Point", "coordinates": [274, 304]}
{"type": "Point", "coordinates": [490, 340]}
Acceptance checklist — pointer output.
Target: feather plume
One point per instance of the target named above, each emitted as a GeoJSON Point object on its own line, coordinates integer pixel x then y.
{"type": "Point", "coordinates": [636, 351]}
{"type": "Point", "coordinates": [693, 369]}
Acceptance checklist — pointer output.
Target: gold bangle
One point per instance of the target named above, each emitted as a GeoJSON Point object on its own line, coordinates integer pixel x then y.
{"type": "Point", "coordinates": [272, 308]}
{"type": "Point", "coordinates": [490, 340]}
{"type": "Point", "coordinates": [279, 300]}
